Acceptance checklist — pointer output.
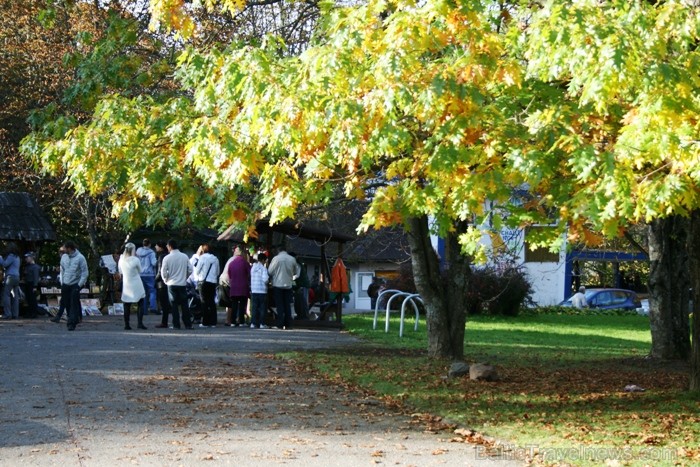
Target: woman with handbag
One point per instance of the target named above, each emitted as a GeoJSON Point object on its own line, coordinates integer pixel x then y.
{"type": "Point", "coordinates": [10, 293]}
{"type": "Point", "coordinates": [207, 273]}
{"type": "Point", "coordinates": [132, 286]}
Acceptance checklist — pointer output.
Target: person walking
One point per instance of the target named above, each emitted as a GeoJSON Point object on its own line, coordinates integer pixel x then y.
{"type": "Point", "coordinates": [175, 271]}
{"type": "Point", "coordinates": [10, 295]}
{"type": "Point", "coordinates": [149, 262]}
{"type": "Point", "coordinates": [283, 269]}
{"type": "Point", "coordinates": [207, 273]}
{"type": "Point", "coordinates": [258, 291]}
{"type": "Point", "coordinates": [239, 285]}
{"type": "Point", "coordinates": [161, 288]}
{"type": "Point", "coordinates": [74, 275]}
{"type": "Point", "coordinates": [373, 291]}
{"type": "Point", "coordinates": [32, 276]}
{"type": "Point", "coordinates": [133, 290]}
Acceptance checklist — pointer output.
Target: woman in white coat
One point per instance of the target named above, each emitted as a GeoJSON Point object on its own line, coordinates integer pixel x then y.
{"type": "Point", "coordinates": [132, 286]}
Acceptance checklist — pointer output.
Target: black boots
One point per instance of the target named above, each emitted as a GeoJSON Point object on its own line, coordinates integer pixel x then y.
{"type": "Point", "coordinates": [140, 317]}
{"type": "Point", "coordinates": [127, 314]}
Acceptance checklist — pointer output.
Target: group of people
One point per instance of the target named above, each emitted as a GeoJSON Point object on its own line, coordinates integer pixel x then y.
{"type": "Point", "coordinates": [161, 281]}
{"type": "Point", "coordinates": [11, 292]}
{"type": "Point", "coordinates": [244, 279]}
{"type": "Point", "coordinates": [150, 276]}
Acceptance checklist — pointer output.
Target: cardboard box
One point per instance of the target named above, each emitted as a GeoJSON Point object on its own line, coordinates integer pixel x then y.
{"type": "Point", "coordinates": [116, 309]}
{"type": "Point", "coordinates": [90, 306]}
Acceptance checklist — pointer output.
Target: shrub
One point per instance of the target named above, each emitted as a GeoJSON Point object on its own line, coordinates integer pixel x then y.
{"type": "Point", "coordinates": [498, 291]}
{"type": "Point", "coordinates": [572, 311]}
{"type": "Point", "coordinates": [404, 280]}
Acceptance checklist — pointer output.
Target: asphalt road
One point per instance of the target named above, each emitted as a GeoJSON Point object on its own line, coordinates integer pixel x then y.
{"type": "Point", "coordinates": [104, 396]}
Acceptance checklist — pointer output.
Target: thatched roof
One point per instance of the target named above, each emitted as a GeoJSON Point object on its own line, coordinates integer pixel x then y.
{"type": "Point", "coordinates": [22, 219]}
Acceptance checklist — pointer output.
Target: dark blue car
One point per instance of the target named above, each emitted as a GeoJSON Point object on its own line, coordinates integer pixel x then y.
{"type": "Point", "coordinates": [608, 299]}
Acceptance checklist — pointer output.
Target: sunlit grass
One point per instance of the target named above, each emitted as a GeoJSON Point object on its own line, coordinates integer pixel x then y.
{"type": "Point", "coordinates": [562, 385]}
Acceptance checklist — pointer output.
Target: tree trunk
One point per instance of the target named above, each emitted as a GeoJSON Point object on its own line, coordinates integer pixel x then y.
{"type": "Point", "coordinates": [92, 236]}
{"type": "Point", "coordinates": [443, 292]}
{"type": "Point", "coordinates": [669, 284]}
{"type": "Point", "coordinates": [694, 266]}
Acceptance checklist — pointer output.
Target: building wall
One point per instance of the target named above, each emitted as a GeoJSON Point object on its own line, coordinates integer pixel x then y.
{"type": "Point", "coordinates": [547, 278]}
{"type": "Point", "coordinates": [548, 282]}
{"type": "Point", "coordinates": [361, 277]}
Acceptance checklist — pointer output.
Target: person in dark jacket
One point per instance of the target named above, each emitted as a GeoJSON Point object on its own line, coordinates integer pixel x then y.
{"type": "Point", "coordinates": [32, 276]}
{"type": "Point", "coordinates": [301, 291]}
{"type": "Point", "coordinates": [10, 262]}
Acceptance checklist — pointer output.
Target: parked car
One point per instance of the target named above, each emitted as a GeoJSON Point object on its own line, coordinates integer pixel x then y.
{"type": "Point", "coordinates": [644, 309]}
{"type": "Point", "coordinates": [609, 299]}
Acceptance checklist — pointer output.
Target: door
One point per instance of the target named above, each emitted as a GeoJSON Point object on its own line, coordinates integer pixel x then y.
{"type": "Point", "coordinates": [362, 300]}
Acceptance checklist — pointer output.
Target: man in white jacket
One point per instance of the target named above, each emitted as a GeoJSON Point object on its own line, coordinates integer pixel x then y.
{"type": "Point", "coordinates": [579, 298]}
{"type": "Point", "coordinates": [283, 270]}
{"type": "Point", "coordinates": [175, 270]}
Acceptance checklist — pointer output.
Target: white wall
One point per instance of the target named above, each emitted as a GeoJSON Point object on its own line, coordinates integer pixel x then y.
{"type": "Point", "coordinates": [547, 280]}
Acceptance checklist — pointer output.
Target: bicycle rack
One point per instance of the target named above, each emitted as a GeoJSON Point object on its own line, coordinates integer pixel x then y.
{"type": "Point", "coordinates": [407, 297]}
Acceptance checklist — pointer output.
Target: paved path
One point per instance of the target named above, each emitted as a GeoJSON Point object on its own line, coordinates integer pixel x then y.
{"type": "Point", "coordinates": [103, 396]}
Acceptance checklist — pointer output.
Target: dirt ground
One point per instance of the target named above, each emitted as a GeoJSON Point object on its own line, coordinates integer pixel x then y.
{"type": "Point", "coordinates": [104, 396]}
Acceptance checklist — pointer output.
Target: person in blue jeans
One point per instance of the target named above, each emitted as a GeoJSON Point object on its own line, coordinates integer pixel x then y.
{"type": "Point", "coordinates": [258, 291]}
{"type": "Point", "coordinates": [10, 293]}
{"type": "Point", "coordinates": [149, 262]}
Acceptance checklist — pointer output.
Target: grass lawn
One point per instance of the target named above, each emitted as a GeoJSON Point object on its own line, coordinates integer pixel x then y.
{"type": "Point", "coordinates": [560, 399]}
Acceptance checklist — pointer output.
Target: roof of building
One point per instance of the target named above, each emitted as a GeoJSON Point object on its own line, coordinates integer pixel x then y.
{"type": "Point", "coordinates": [296, 229]}
{"type": "Point", "coordinates": [22, 219]}
{"type": "Point", "coordinates": [336, 233]}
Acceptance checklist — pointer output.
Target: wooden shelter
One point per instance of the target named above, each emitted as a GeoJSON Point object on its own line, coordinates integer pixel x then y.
{"type": "Point", "coordinates": [22, 220]}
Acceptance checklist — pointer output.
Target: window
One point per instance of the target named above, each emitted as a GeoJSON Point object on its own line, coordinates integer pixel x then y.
{"type": "Point", "coordinates": [539, 255]}
{"type": "Point", "coordinates": [618, 297]}
{"type": "Point", "coordinates": [602, 299]}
